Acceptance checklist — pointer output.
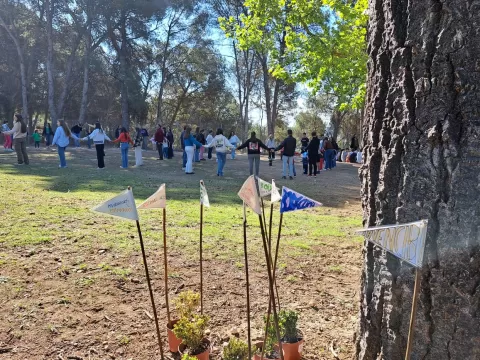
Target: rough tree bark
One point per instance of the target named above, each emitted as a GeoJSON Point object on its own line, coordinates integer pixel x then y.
{"type": "Point", "coordinates": [421, 160]}
{"type": "Point", "coordinates": [11, 31]}
{"type": "Point", "coordinates": [50, 10]}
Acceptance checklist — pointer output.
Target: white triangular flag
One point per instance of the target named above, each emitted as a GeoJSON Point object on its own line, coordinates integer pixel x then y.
{"type": "Point", "coordinates": [203, 195]}
{"type": "Point", "coordinates": [156, 201]}
{"type": "Point", "coordinates": [275, 195]}
{"type": "Point", "coordinates": [122, 205]}
{"type": "Point", "coordinates": [248, 193]}
{"type": "Point", "coordinates": [265, 187]}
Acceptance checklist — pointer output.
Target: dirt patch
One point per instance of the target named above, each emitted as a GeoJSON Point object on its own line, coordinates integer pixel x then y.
{"type": "Point", "coordinates": [59, 301]}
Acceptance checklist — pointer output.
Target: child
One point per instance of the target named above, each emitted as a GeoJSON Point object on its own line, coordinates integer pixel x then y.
{"type": "Point", "coordinates": [165, 148]}
{"type": "Point", "coordinates": [7, 142]}
{"type": "Point", "coordinates": [305, 161]}
{"type": "Point", "coordinates": [37, 138]}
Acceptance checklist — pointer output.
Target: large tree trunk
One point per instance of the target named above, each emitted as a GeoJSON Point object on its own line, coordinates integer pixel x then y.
{"type": "Point", "coordinates": [50, 69]}
{"type": "Point", "coordinates": [421, 136]}
{"type": "Point", "coordinates": [84, 102]}
{"type": "Point", "coordinates": [267, 90]}
{"type": "Point", "coordinates": [21, 60]}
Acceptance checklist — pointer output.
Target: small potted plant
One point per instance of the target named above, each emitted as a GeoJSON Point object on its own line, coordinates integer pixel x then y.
{"type": "Point", "coordinates": [270, 348]}
{"type": "Point", "coordinates": [235, 350]}
{"type": "Point", "coordinates": [292, 341]}
{"type": "Point", "coordinates": [191, 329]}
{"type": "Point", "coordinates": [185, 305]}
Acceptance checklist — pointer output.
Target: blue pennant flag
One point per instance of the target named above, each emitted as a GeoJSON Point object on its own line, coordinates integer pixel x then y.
{"type": "Point", "coordinates": [292, 200]}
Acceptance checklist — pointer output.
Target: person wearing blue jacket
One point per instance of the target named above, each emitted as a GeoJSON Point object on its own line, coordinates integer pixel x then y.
{"type": "Point", "coordinates": [190, 143]}
{"type": "Point", "coordinates": [62, 140]}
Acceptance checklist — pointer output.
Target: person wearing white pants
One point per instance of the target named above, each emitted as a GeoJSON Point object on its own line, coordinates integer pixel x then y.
{"type": "Point", "coordinates": [137, 145]}
{"type": "Point", "coordinates": [190, 143]}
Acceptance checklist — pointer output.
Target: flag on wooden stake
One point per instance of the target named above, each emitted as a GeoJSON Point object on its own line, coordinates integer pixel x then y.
{"type": "Point", "coordinates": [275, 195]}
{"type": "Point", "coordinates": [203, 195]}
{"type": "Point", "coordinates": [122, 206]}
{"type": "Point", "coordinates": [265, 187]}
{"type": "Point", "coordinates": [248, 193]}
{"type": "Point", "coordinates": [156, 201]}
{"type": "Point", "coordinates": [292, 200]}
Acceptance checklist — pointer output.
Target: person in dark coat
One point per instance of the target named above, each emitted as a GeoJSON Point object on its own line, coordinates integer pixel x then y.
{"type": "Point", "coordinates": [159, 136]}
{"type": "Point", "coordinates": [170, 139]}
{"type": "Point", "coordinates": [312, 149]}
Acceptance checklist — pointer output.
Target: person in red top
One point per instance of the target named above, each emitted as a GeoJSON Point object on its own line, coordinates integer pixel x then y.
{"type": "Point", "coordinates": [125, 140]}
{"type": "Point", "coordinates": [159, 136]}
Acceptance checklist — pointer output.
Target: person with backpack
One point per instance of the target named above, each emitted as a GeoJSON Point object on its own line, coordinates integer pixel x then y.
{"type": "Point", "coordinates": [98, 137]}
{"type": "Point", "coordinates": [19, 132]}
{"type": "Point", "coordinates": [253, 146]}
{"type": "Point", "coordinates": [62, 140]}
{"type": "Point", "coordinates": [288, 145]}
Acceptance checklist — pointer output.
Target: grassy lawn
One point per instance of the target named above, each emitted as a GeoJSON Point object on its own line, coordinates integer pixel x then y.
{"type": "Point", "coordinates": [58, 260]}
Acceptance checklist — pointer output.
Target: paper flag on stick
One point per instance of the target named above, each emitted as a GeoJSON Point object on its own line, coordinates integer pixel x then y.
{"type": "Point", "coordinates": [292, 200]}
{"type": "Point", "coordinates": [265, 187]}
{"type": "Point", "coordinates": [275, 195]}
{"type": "Point", "coordinates": [248, 193]}
{"type": "Point", "coordinates": [203, 195]}
{"type": "Point", "coordinates": [156, 201]}
{"type": "Point", "coordinates": [122, 205]}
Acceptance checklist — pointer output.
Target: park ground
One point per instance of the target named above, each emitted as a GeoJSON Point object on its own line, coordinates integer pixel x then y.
{"type": "Point", "coordinates": [72, 283]}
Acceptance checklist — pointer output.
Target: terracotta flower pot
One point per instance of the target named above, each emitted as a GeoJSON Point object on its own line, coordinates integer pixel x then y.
{"type": "Point", "coordinates": [173, 341]}
{"type": "Point", "coordinates": [204, 355]}
{"type": "Point", "coordinates": [292, 351]}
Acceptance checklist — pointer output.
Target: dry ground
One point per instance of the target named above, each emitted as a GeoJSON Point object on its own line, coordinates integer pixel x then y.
{"type": "Point", "coordinates": [72, 284]}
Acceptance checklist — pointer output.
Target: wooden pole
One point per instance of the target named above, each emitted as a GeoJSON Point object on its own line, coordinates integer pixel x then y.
{"type": "Point", "coordinates": [165, 263]}
{"type": "Point", "coordinates": [150, 290]}
{"type": "Point", "coordinates": [416, 290]}
{"type": "Point", "coordinates": [201, 258]}
{"type": "Point", "coordinates": [249, 331]}
{"type": "Point", "coordinates": [271, 285]}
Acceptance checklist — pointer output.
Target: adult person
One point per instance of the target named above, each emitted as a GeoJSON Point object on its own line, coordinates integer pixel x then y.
{"type": "Point", "coordinates": [190, 144]}
{"type": "Point", "coordinates": [19, 132]}
{"type": "Point", "coordinates": [208, 140]}
{"type": "Point", "coordinates": [98, 137]}
{"type": "Point", "coordinates": [335, 152]}
{"type": "Point", "coordinates": [170, 139]}
{"type": "Point", "coordinates": [159, 136]}
{"type": "Point", "coordinates": [7, 141]}
{"type": "Point", "coordinates": [221, 145]}
{"type": "Point", "coordinates": [288, 145]}
{"type": "Point", "coordinates": [76, 131]}
{"type": "Point", "coordinates": [144, 133]}
{"type": "Point", "coordinates": [271, 146]}
{"type": "Point", "coordinates": [354, 142]}
{"type": "Point", "coordinates": [182, 143]}
{"type": "Point", "coordinates": [62, 140]}
{"type": "Point", "coordinates": [312, 149]}
{"type": "Point", "coordinates": [329, 153]}
{"type": "Point", "coordinates": [137, 147]}
{"type": "Point", "coordinates": [234, 140]}
{"type": "Point", "coordinates": [197, 149]}
{"type": "Point", "coordinates": [202, 141]}
{"type": "Point", "coordinates": [47, 134]}
{"type": "Point", "coordinates": [304, 140]}
{"type": "Point", "coordinates": [253, 146]}
{"type": "Point", "coordinates": [125, 140]}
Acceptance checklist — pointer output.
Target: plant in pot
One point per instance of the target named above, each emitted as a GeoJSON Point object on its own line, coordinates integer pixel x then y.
{"type": "Point", "coordinates": [270, 347]}
{"type": "Point", "coordinates": [235, 350]}
{"type": "Point", "coordinates": [292, 341]}
{"type": "Point", "coordinates": [191, 331]}
{"type": "Point", "coordinates": [185, 305]}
